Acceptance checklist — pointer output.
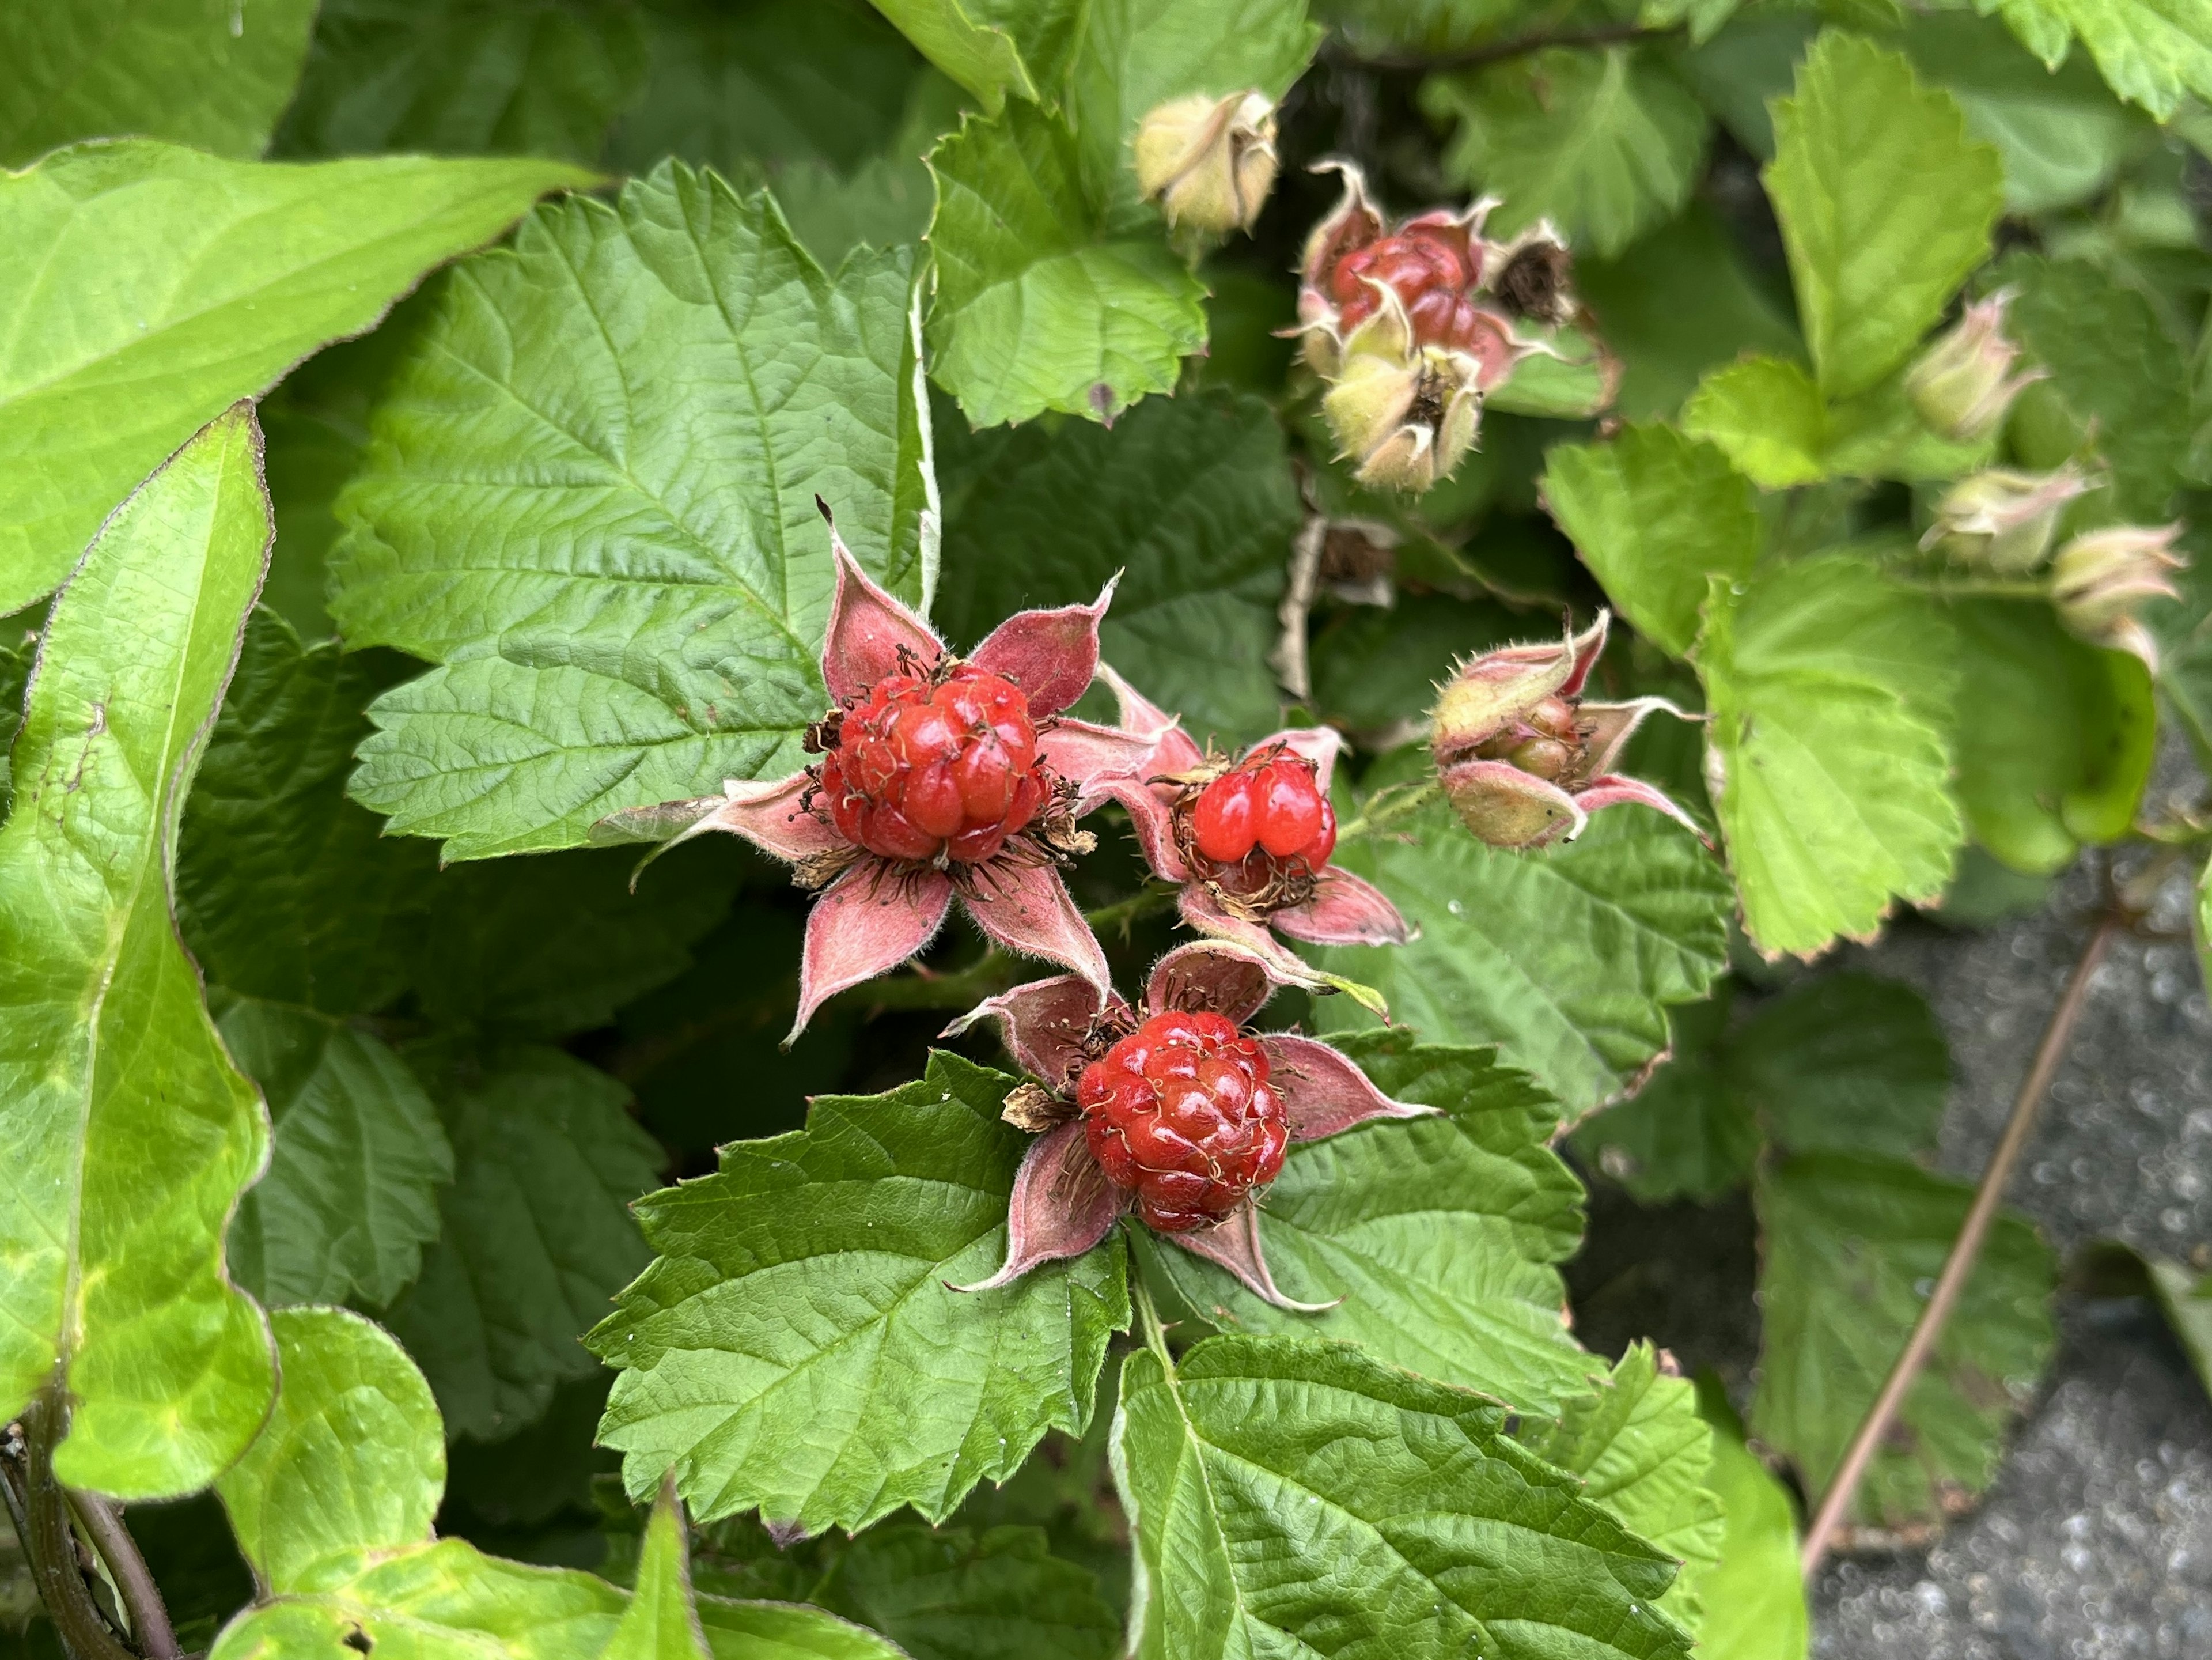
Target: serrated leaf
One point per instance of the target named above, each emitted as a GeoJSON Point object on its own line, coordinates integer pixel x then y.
{"type": "Point", "coordinates": [536, 1230]}
{"type": "Point", "coordinates": [2149, 51]}
{"type": "Point", "coordinates": [612, 547]}
{"type": "Point", "coordinates": [810, 1276]}
{"type": "Point", "coordinates": [1645, 1455]}
{"type": "Point", "coordinates": [1570, 381]}
{"type": "Point", "coordinates": [333, 1505]}
{"type": "Point", "coordinates": [954, 1593]}
{"type": "Point", "coordinates": [1654, 515]}
{"type": "Point", "coordinates": [285, 890]}
{"type": "Point", "coordinates": [1284, 1495]}
{"type": "Point", "coordinates": [1606, 144]}
{"type": "Point", "coordinates": [149, 296]}
{"type": "Point", "coordinates": [1190, 498]}
{"type": "Point", "coordinates": [1688, 1133]}
{"type": "Point", "coordinates": [179, 70]}
{"type": "Point", "coordinates": [1755, 1598]}
{"type": "Point", "coordinates": [1440, 1234]}
{"type": "Point", "coordinates": [1885, 204]}
{"type": "Point", "coordinates": [1767, 415]}
{"type": "Point", "coordinates": [2059, 745]}
{"type": "Point", "coordinates": [1564, 957]}
{"type": "Point", "coordinates": [660, 1623]}
{"type": "Point", "coordinates": [1039, 306]}
{"type": "Point", "coordinates": [550, 946]}
{"type": "Point", "coordinates": [1825, 738]}
{"type": "Point", "coordinates": [969, 43]}
{"type": "Point", "coordinates": [2116, 369]}
{"type": "Point", "coordinates": [456, 77]}
{"type": "Point", "coordinates": [350, 1197]}
{"type": "Point", "coordinates": [1845, 1063]}
{"type": "Point", "coordinates": [1132, 56]}
{"type": "Point", "coordinates": [1851, 1246]}
{"type": "Point", "coordinates": [127, 1131]}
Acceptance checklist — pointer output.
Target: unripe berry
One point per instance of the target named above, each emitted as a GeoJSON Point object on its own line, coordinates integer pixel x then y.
{"type": "Point", "coordinates": [924, 768]}
{"type": "Point", "coordinates": [1180, 1113]}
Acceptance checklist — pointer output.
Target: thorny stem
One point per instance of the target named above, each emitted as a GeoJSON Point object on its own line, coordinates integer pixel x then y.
{"type": "Point", "coordinates": [1965, 1249]}
{"type": "Point", "coordinates": [40, 1508]}
{"type": "Point", "coordinates": [142, 1598]}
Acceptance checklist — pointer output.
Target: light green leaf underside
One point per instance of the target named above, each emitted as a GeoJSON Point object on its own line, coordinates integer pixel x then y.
{"type": "Point", "coordinates": [1564, 957]}
{"type": "Point", "coordinates": [1191, 499]}
{"type": "Point", "coordinates": [537, 1232]}
{"type": "Point", "coordinates": [1605, 144]}
{"type": "Point", "coordinates": [189, 71]}
{"type": "Point", "coordinates": [1440, 1234]}
{"type": "Point", "coordinates": [126, 1133]}
{"type": "Point", "coordinates": [1851, 1244]}
{"type": "Point", "coordinates": [1654, 514]}
{"type": "Point", "coordinates": [1755, 1598]}
{"type": "Point", "coordinates": [796, 1348]}
{"type": "Point", "coordinates": [151, 285]}
{"type": "Point", "coordinates": [1828, 690]}
{"type": "Point", "coordinates": [1039, 305]}
{"type": "Point", "coordinates": [589, 497]}
{"type": "Point", "coordinates": [351, 1194]}
{"type": "Point", "coordinates": [1766, 415]}
{"type": "Point", "coordinates": [1885, 204]}
{"type": "Point", "coordinates": [660, 1623]}
{"type": "Point", "coordinates": [1286, 1494]}
{"type": "Point", "coordinates": [2149, 51]}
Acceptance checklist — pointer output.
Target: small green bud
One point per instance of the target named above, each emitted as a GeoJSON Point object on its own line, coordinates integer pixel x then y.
{"type": "Point", "coordinates": [1208, 161]}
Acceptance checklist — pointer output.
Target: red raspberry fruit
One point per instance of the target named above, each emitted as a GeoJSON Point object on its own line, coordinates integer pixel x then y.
{"type": "Point", "coordinates": [931, 769]}
{"type": "Point", "coordinates": [1270, 802]}
{"type": "Point", "coordinates": [1431, 267]}
{"type": "Point", "coordinates": [1179, 1113]}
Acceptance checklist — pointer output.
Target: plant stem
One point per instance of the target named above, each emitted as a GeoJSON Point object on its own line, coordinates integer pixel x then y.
{"type": "Point", "coordinates": [1152, 897]}
{"type": "Point", "coordinates": [1148, 1317]}
{"type": "Point", "coordinates": [1964, 1249]}
{"type": "Point", "coordinates": [1386, 807]}
{"type": "Point", "coordinates": [1499, 51]}
{"type": "Point", "coordinates": [1977, 588]}
{"type": "Point", "coordinates": [41, 1510]}
{"type": "Point", "coordinates": [987, 976]}
{"type": "Point", "coordinates": [142, 1598]}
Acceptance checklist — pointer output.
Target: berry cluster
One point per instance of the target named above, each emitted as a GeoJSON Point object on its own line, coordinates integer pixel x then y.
{"type": "Point", "coordinates": [1179, 1113]}
{"type": "Point", "coordinates": [941, 767]}
{"type": "Point", "coordinates": [1546, 742]}
{"type": "Point", "coordinates": [1262, 829]}
{"type": "Point", "coordinates": [1431, 265]}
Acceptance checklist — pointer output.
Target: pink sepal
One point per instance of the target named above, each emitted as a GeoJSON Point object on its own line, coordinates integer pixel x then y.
{"type": "Point", "coordinates": [1062, 1206]}
{"type": "Point", "coordinates": [1050, 654]}
{"type": "Point", "coordinates": [1210, 974]}
{"type": "Point", "coordinates": [1492, 690]}
{"type": "Point", "coordinates": [1204, 913]}
{"type": "Point", "coordinates": [1611, 790]}
{"type": "Point", "coordinates": [867, 627]}
{"type": "Point", "coordinates": [1508, 807]}
{"type": "Point", "coordinates": [1174, 750]}
{"type": "Point", "coordinates": [768, 815]}
{"type": "Point", "coordinates": [1027, 908]}
{"type": "Point", "coordinates": [1319, 745]}
{"type": "Point", "coordinates": [1043, 1024]}
{"type": "Point", "coordinates": [865, 923]}
{"type": "Point", "coordinates": [1612, 725]}
{"type": "Point", "coordinates": [1345, 910]}
{"type": "Point", "coordinates": [1234, 1244]}
{"type": "Point", "coordinates": [1323, 1092]}
{"type": "Point", "coordinates": [1352, 224]}
{"type": "Point", "coordinates": [1087, 755]}
{"type": "Point", "coordinates": [1154, 820]}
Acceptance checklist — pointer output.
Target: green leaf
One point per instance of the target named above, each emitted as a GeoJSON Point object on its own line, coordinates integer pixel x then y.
{"type": "Point", "coordinates": [612, 547]}
{"type": "Point", "coordinates": [351, 1193]}
{"type": "Point", "coordinates": [1654, 514]}
{"type": "Point", "coordinates": [1190, 498]}
{"type": "Point", "coordinates": [1755, 1598]}
{"type": "Point", "coordinates": [1637, 1442]}
{"type": "Point", "coordinates": [1886, 205]}
{"type": "Point", "coordinates": [536, 1230]}
{"type": "Point", "coordinates": [953, 1594]}
{"type": "Point", "coordinates": [809, 1276]}
{"type": "Point", "coordinates": [1687, 1133]}
{"type": "Point", "coordinates": [15, 658]}
{"type": "Point", "coordinates": [285, 891]}
{"type": "Point", "coordinates": [551, 946]}
{"type": "Point", "coordinates": [2149, 51]}
{"type": "Point", "coordinates": [2119, 374]}
{"type": "Point", "coordinates": [660, 1622]}
{"type": "Point", "coordinates": [974, 49]}
{"type": "Point", "coordinates": [1681, 301]}
{"type": "Point", "coordinates": [1826, 739]}
{"type": "Point", "coordinates": [1606, 144]}
{"type": "Point", "coordinates": [1440, 1234]}
{"type": "Point", "coordinates": [1286, 1494]}
{"type": "Point", "coordinates": [180, 70]}
{"type": "Point", "coordinates": [1375, 667]}
{"type": "Point", "coordinates": [456, 77]}
{"type": "Point", "coordinates": [2061, 134]}
{"type": "Point", "coordinates": [2058, 746]}
{"type": "Point", "coordinates": [1039, 305]}
{"type": "Point", "coordinates": [1766, 415]}
{"type": "Point", "coordinates": [1564, 957]}
{"type": "Point", "coordinates": [128, 1131]}
{"type": "Point", "coordinates": [1851, 1245]}
{"type": "Point", "coordinates": [1572, 380]}
{"type": "Point", "coordinates": [1133, 56]}
{"type": "Point", "coordinates": [150, 294]}
{"type": "Point", "coordinates": [1845, 1063]}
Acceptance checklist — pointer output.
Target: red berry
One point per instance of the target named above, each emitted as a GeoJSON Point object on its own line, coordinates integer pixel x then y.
{"type": "Point", "coordinates": [1181, 1114]}
{"type": "Point", "coordinates": [1431, 268]}
{"type": "Point", "coordinates": [1226, 823]}
{"type": "Point", "coordinates": [1290, 816]}
{"type": "Point", "coordinates": [923, 771]}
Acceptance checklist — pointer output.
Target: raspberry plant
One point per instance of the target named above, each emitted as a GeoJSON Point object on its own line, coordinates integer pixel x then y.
{"type": "Point", "coordinates": [1414, 570]}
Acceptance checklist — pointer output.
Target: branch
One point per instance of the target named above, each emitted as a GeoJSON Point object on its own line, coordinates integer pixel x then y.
{"type": "Point", "coordinates": [40, 1508]}
{"type": "Point", "coordinates": [1964, 1249]}
{"type": "Point", "coordinates": [1499, 51]}
{"type": "Point", "coordinates": [142, 1598]}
